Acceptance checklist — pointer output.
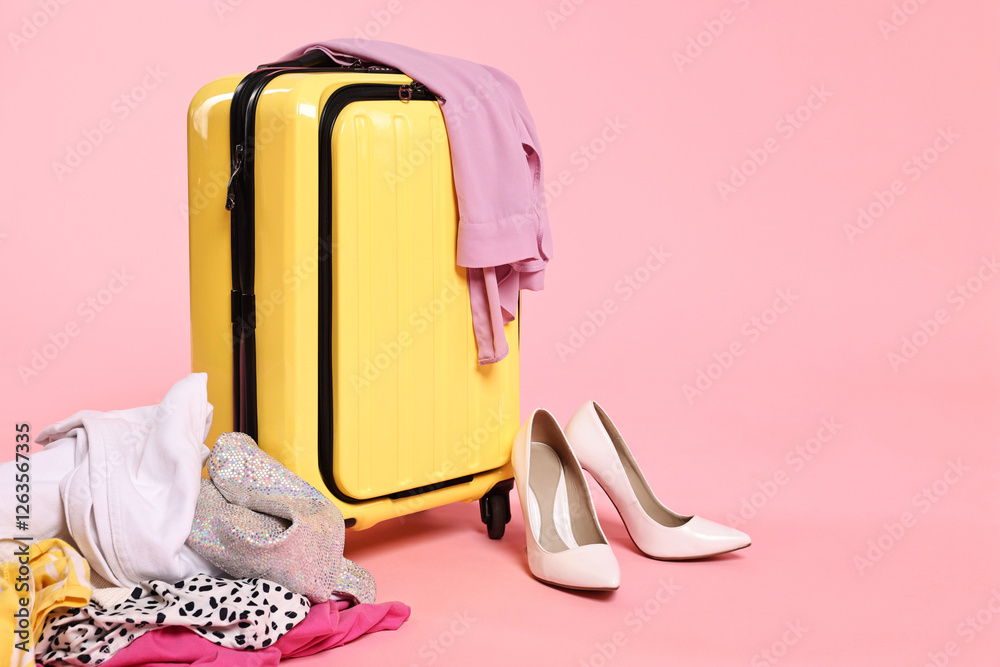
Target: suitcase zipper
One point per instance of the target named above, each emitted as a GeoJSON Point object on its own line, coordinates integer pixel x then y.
{"type": "Point", "coordinates": [239, 202]}
{"type": "Point", "coordinates": [231, 188]}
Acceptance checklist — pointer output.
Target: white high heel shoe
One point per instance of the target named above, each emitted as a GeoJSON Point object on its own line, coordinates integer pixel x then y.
{"type": "Point", "coordinates": [566, 546]}
{"type": "Point", "coordinates": [657, 531]}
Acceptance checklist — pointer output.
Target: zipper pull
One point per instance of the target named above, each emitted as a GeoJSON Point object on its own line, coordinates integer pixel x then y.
{"type": "Point", "coordinates": [406, 92]}
{"type": "Point", "coordinates": [231, 187]}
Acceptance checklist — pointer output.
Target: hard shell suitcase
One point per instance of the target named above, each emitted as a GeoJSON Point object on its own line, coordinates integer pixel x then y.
{"type": "Point", "coordinates": [326, 304]}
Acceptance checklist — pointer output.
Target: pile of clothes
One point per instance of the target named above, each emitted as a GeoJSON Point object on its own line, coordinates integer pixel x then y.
{"type": "Point", "coordinates": [135, 559]}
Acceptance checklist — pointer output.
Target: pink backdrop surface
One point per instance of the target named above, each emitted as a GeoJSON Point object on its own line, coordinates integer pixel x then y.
{"type": "Point", "coordinates": [777, 244]}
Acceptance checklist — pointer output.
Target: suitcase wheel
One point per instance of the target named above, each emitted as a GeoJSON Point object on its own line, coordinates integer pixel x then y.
{"type": "Point", "coordinates": [494, 508]}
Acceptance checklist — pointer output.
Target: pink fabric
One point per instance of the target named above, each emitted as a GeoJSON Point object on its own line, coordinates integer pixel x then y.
{"type": "Point", "coordinates": [503, 231]}
{"type": "Point", "coordinates": [327, 626]}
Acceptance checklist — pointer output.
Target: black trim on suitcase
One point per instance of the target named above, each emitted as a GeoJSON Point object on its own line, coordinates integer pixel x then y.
{"type": "Point", "coordinates": [240, 202]}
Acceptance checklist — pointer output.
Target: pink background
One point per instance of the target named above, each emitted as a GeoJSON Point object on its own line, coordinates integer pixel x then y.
{"type": "Point", "coordinates": [671, 133]}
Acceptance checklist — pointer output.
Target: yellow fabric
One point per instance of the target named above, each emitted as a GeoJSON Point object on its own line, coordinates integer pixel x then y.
{"type": "Point", "coordinates": [44, 577]}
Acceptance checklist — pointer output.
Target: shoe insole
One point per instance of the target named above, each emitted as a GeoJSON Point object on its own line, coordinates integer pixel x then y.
{"type": "Point", "coordinates": [647, 500]}
{"type": "Point", "coordinates": [548, 500]}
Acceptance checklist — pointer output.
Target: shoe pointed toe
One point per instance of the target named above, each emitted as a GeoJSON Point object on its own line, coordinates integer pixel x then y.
{"type": "Point", "coordinates": [696, 538]}
{"type": "Point", "coordinates": [590, 567]}
{"type": "Point", "coordinates": [717, 537]}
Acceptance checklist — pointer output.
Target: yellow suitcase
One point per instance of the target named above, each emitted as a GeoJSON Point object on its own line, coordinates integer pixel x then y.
{"type": "Point", "coordinates": [323, 226]}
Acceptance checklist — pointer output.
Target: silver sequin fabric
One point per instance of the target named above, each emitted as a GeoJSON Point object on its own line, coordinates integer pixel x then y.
{"type": "Point", "coordinates": [256, 518]}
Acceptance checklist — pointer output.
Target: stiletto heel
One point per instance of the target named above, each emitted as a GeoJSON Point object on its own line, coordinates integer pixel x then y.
{"type": "Point", "coordinates": [566, 546]}
{"type": "Point", "coordinates": [657, 531]}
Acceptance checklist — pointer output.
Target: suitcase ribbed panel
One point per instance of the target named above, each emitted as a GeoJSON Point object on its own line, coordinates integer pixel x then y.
{"type": "Point", "coordinates": [404, 437]}
{"type": "Point", "coordinates": [409, 390]}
